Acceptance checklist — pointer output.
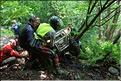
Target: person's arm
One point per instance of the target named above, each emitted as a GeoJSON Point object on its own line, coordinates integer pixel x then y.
{"type": "Point", "coordinates": [15, 54]}
{"type": "Point", "coordinates": [8, 48]}
{"type": "Point", "coordinates": [31, 39]}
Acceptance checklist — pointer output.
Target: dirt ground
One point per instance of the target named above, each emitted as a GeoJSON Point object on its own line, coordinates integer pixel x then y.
{"type": "Point", "coordinates": [68, 73]}
{"type": "Point", "coordinates": [75, 71]}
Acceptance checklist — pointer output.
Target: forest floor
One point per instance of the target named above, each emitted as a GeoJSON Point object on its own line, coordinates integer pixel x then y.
{"type": "Point", "coordinates": [73, 71]}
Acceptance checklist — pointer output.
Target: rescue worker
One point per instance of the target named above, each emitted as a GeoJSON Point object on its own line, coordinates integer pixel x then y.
{"type": "Point", "coordinates": [28, 42]}
{"type": "Point", "coordinates": [47, 31]}
{"type": "Point", "coordinates": [8, 54]}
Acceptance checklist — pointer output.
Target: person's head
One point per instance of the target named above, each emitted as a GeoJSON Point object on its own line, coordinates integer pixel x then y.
{"type": "Point", "coordinates": [55, 22]}
{"type": "Point", "coordinates": [13, 42]}
{"type": "Point", "coordinates": [35, 21]}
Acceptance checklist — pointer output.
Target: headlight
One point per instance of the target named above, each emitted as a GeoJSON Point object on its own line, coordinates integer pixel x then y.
{"type": "Point", "coordinates": [48, 41]}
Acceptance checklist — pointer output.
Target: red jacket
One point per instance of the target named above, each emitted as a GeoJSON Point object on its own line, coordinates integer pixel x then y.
{"type": "Point", "coordinates": [7, 51]}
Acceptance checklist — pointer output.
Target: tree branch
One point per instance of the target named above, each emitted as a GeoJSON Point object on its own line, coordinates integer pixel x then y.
{"type": "Point", "coordinates": [100, 4]}
{"type": "Point", "coordinates": [93, 6]}
{"type": "Point", "coordinates": [108, 16]}
{"type": "Point", "coordinates": [94, 19]}
{"type": "Point", "coordinates": [108, 19]}
{"type": "Point", "coordinates": [87, 16]}
{"type": "Point", "coordinates": [111, 12]}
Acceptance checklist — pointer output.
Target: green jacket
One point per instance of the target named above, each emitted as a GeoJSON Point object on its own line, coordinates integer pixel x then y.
{"type": "Point", "coordinates": [43, 30]}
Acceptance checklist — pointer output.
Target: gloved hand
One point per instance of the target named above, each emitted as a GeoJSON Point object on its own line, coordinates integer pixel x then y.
{"type": "Point", "coordinates": [24, 54]}
{"type": "Point", "coordinates": [48, 51]}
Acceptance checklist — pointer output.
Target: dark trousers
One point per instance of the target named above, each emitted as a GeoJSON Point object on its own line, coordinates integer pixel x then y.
{"type": "Point", "coordinates": [10, 61]}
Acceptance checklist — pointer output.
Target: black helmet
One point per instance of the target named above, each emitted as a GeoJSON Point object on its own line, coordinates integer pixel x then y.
{"type": "Point", "coordinates": [55, 22]}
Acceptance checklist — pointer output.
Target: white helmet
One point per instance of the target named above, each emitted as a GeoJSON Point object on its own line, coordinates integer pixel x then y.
{"type": "Point", "coordinates": [13, 42]}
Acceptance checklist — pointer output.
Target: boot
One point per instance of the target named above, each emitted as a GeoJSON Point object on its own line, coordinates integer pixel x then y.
{"type": "Point", "coordinates": [57, 65]}
{"type": "Point", "coordinates": [56, 61]}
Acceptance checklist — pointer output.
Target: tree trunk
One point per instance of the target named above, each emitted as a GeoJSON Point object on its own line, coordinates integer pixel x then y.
{"type": "Point", "coordinates": [107, 32]}
{"type": "Point", "coordinates": [117, 37]}
{"type": "Point", "coordinates": [111, 28]}
{"type": "Point", "coordinates": [115, 20]}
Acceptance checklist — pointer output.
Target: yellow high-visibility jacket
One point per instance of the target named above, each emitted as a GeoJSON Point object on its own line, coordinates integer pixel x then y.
{"type": "Point", "coordinates": [43, 29]}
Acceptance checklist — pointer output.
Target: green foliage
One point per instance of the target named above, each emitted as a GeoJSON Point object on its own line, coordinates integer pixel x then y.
{"type": "Point", "coordinates": [106, 47]}
{"type": "Point", "coordinates": [13, 10]}
{"type": "Point", "coordinates": [96, 51]}
{"type": "Point", "coordinates": [116, 53]}
{"type": "Point", "coordinates": [71, 12]}
{"type": "Point", "coordinates": [44, 9]}
{"type": "Point", "coordinates": [6, 32]}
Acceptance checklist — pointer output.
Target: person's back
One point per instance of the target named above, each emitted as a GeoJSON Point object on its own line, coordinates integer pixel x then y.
{"type": "Point", "coordinates": [45, 32]}
{"type": "Point", "coordinates": [44, 28]}
{"type": "Point", "coordinates": [23, 38]}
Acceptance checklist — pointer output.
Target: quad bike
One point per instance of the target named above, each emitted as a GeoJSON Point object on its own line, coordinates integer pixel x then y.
{"type": "Point", "coordinates": [63, 45]}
